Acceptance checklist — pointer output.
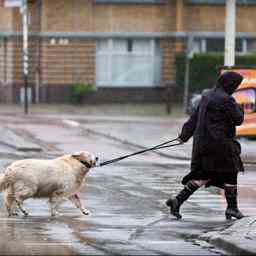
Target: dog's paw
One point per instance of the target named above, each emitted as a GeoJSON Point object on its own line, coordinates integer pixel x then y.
{"type": "Point", "coordinates": [13, 214]}
{"type": "Point", "coordinates": [54, 214]}
{"type": "Point", "coordinates": [85, 212]}
{"type": "Point", "coordinates": [25, 214]}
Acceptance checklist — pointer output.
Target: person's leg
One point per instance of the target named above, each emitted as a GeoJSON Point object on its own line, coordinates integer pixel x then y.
{"type": "Point", "coordinates": [231, 198]}
{"type": "Point", "coordinates": [175, 202]}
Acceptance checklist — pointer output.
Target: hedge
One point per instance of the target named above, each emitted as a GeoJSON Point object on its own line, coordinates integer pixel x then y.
{"type": "Point", "coordinates": [204, 69]}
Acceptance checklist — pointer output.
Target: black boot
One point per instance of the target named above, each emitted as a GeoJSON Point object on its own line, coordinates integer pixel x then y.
{"type": "Point", "coordinates": [184, 194]}
{"type": "Point", "coordinates": [231, 198]}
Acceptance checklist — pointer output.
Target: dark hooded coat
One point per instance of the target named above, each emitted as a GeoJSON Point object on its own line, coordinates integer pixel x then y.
{"type": "Point", "coordinates": [216, 152]}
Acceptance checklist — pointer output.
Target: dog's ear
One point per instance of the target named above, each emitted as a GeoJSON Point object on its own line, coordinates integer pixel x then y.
{"type": "Point", "coordinates": [76, 155]}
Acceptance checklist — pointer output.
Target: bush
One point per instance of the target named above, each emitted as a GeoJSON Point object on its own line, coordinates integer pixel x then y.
{"type": "Point", "coordinates": [204, 69]}
{"type": "Point", "coordinates": [79, 90]}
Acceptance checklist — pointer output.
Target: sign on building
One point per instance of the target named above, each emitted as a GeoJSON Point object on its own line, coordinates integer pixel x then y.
{"type": "Point", "coordinates": [12, 3]}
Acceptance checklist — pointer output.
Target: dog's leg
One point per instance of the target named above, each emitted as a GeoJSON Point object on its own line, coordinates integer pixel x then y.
{"type": "Point", "coordinates": [9, 200]}
{"type": "Point", "coordinates": [21, 194]}
{"type": "Point", "coordinates": [55, 200]}
{"type": "Point", "coordinates": [54, 206]}
{"type": "Point", "coordinates": [19, 202]}
{"type": "Point", "coordinates": [76, 201]}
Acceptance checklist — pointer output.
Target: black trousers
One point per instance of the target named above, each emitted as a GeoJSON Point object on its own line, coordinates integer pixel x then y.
{"type": "Point", "coordinates": [215, 179]}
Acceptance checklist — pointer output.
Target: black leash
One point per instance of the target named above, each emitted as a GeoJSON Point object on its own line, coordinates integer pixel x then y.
{"type": "Point", "coordinates": [160, 146]}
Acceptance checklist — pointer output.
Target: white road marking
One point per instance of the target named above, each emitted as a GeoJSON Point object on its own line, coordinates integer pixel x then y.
{"type": "Point", "coordinates": [71, 123]}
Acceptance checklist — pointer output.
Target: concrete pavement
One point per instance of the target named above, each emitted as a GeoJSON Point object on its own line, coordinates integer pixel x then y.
{"type": "Point", "coordinates": [239, 238]}
{"type": "Point", "coordinates": [148, 132]}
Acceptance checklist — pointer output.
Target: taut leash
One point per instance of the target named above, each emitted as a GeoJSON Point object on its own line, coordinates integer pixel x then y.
{"type": "Point", "coordinates": [160, 146]}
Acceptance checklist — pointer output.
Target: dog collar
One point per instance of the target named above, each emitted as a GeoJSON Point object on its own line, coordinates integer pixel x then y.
{"type": "Point", "coordinates": [86, 164]}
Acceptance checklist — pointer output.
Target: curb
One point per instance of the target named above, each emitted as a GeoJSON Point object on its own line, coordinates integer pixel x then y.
{"type": "Point", "coordinates": [108, 136]}
{"type": "Point", "coordinates": [237, 239]}
{"type": "Point", "coordinates": [13, 140]}
{"type": "Point", "coordinates": [185, 158]}
{"type": "Point", "coordinates": [227, 245]}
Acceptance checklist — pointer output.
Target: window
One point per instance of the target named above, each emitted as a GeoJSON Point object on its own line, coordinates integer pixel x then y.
{"type": "Point", "coordinates": [199, 45]}
{"type": "Point", "coordinates": [130, 1]}
{"type": "Point", "coordinates": [129, 45]}
{"type": "Point", "coordinates": [218, 45]}
{"type": "Point", "coordinates": [222, 2]}
{"type": "Point", "coordinates": [206, 1]}
{"type": "Point", "coordinates": [246, 98]}
{"type": "Point", "coordinates": [214, 45]}
{"type": "Point", "coordinates": [128, 62]}
{"type": "Point", "coordinates": [251, 45]}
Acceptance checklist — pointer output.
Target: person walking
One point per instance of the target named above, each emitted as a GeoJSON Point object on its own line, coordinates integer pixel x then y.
{"type": "Point", "coordinates": [216, 153]}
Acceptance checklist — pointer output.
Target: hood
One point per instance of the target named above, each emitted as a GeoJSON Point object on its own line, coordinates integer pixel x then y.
{"type": "Point", "coordinates": [229, 81]}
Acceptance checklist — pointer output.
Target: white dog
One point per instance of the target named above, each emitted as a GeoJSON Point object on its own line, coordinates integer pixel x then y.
{"type": "Point", "coordinates": [55, 179]}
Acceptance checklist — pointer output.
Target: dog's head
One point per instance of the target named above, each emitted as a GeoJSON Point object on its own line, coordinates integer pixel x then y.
{"type": "Point", "coordinates": [86, 158]}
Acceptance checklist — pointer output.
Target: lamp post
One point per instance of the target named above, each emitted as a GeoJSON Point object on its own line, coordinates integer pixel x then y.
{"type": "Point", "coordinates": [230, 33]}
{"type": "Point", "coordinates": [24, 11]}
{"type": "Point", "coordinates": [189, 56]}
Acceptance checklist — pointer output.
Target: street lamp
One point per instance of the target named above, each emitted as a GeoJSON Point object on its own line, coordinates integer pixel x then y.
{"type": "Point", "coordinates": [23, 5]}
{"type": "Point", "coordinates": [230, 33]}
{"type": "Point", "coordinates": [24, 11]}
{"type": "Point", "coordinates": [189, 56]}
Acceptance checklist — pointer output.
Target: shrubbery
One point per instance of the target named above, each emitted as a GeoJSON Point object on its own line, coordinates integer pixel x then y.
{"type": "Point", "coordinates": [204, 69]}
{"type": "Point", "coordinates": [79, 90]}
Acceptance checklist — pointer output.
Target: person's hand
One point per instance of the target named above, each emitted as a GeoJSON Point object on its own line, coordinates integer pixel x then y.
{"type": "Point", "coordinates": [180, 140]}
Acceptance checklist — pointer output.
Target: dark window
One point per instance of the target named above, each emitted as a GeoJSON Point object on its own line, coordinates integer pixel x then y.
{"type": "Point", "coordinates": [130, 1]}
{"type": "Point", "coordinates": [251, 45]}
{"type": "Point", "coordinates": [239, 45]}
{"type": "Point", "coordinates": [129, 45]}
{"type": "Point", "coordinates": [215, 45]}
{"type": "Point", "coordinates": [206, 1]}
{"type": "Point", "coordinates": [219, 1]}
{"type": "Point", "coordinates": [218, 45]}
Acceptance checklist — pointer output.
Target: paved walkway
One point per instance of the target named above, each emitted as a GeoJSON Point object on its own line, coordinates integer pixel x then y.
{"type": "Point", "coordinates": [147, 132]}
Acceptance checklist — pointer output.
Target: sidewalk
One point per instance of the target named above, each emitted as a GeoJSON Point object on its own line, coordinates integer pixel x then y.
{"type": "Point", "coordinates": [148, 132]}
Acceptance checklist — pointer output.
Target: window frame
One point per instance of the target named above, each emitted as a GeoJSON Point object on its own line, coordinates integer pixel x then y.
{"type": "Point", "coordinates": [110, 53]}
{"type": "Point", "coordinates": [219, 2]}
{"type": "Point", "coordinates": [202, 41]}
{"type": "Point", "coordinates": [130, 1]}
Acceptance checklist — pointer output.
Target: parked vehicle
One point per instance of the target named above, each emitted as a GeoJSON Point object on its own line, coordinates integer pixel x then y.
{"type": "Point", "coordinates": [245, 95]}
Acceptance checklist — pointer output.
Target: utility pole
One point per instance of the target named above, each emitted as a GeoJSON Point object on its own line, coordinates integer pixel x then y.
{"type": "Point", "coordinates": [189, 56]}
{"type": "Point", "coordinates": [24, 11]}
{"type": "Point", "coordinates": [230, 33]}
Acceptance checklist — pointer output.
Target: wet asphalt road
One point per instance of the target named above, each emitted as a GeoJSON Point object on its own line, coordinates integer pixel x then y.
{"type": "Point", "coordinates": [128, 216]}
{"type": "Point", "coordinates": [126, 200]}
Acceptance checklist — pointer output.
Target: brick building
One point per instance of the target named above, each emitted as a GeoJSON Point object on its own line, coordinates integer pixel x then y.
{"type": "Point", "coordinates": [126, 48]}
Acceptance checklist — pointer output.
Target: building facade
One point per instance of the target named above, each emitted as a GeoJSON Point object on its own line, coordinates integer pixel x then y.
{"type": "Point", "coordinates": [126, 48]}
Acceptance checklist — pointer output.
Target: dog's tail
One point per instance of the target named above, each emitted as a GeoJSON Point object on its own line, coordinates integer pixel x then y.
{"type": "Point", "coordinates": [3, 182]}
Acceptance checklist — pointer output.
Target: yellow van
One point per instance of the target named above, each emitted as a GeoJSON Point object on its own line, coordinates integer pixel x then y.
{"type": "Point", "coordinates": [245, 96]}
